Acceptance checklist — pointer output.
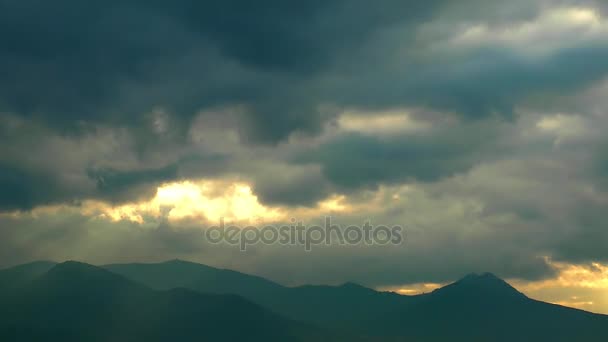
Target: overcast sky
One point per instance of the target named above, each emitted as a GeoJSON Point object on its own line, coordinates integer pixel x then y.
{"type": "Point", "coordinates": [128, 127]}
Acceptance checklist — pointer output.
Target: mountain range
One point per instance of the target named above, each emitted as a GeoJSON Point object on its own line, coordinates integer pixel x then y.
{"type": "Point", "coordinates": [184, 301]}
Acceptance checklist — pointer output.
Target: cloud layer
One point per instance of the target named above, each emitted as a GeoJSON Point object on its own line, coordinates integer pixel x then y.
{"type": "Point", "coordinates": [128, 126]}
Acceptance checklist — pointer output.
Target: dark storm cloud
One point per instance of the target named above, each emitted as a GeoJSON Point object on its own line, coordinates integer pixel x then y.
{"type": "Point", "coordinates": [477, 84]}
{"type": "Point", "coordinates": [102, 96]}
{"type": "Point", "coordinates": [587, 228]}
{"type": "Point", "coordinates": [495, 81]}
{"type": "Point", "coordinates": [582, 223]}
{"type": "Point", "coordinates": [72, 66]}
{"type": "Point", "coordinates": [24, 189]}
{"type": "Point", "coordinates": [70, 62]}
{"type": "Point", "coordinates": [118, 186]}
{"type": "Point", "coordinates": [303, 187]}
{"type": "Point", "coordinates": [587, 237]}
{"type": "Point", "coordinates": [356, 160]}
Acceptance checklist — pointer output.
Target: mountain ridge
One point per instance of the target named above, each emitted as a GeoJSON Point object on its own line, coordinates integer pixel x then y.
{"type": "Point", "coordinates": [475, 307]}
{"type": "Point", "coordinates": [480, 279]}
{"type": "Point", "coordinates": [75, 301]}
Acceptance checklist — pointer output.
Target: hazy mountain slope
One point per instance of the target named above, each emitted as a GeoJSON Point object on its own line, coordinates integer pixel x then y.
{"type": "Point", "coordinates": [477, 307]}
{"type": "Point", "coordinates": [79, 302]}
{"type": "Point", "coordinates": [19, 275]}
{"type": "Point", "coordinates": [485, 308]}
{"type": "Point", "coordinates": [327, 305]}
{"type": "Point", "coordinates": [177, 273]}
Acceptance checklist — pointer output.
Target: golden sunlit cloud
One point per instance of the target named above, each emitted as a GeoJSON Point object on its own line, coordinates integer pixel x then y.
{"type": "Point", "coordinates": [209, 201]}
{"type": "Point", "coordinates": [550, 31]}
{"type": "Point", "coordinates": [591, 276]}
{"type": "Point", "coordinates": [205, 200]}
{"type": "Point", "coordinates": [563, 126]}
{"type": "Point", "coordinates": [386, 122]}
{"type": "Point", "coordinates": [583, 286]}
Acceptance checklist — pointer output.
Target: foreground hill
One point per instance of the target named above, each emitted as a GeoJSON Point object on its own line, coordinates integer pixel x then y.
{"type": "Point", "coordinates": [79, 302]}
{"type": "Point", "coordinates": [475, 308]}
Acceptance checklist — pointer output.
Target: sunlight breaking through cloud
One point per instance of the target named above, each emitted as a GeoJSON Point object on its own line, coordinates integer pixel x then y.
{"type": "Point", "coordinates": [205, 200]}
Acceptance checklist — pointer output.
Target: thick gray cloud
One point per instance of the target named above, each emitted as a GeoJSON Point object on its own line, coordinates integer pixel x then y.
{"type": "Point", "coordinates": [74, 66]}
{"type": "Point", "coordinates": [115, 185]}
{"type": "Point", "coordinates": [474, 84]}
{"type": "Point", "coordinates": [587, 237]}
{"type": "Point", "coordinates": [25, 189]}
{"type": "Point", "coordinates": [109, 99]}
{"type": "Point", "coordinates": [292, 186]}
{"type": "Point", "coordinates": [356, 160]}
{"type": "Point", "coordinates": [68, 62]}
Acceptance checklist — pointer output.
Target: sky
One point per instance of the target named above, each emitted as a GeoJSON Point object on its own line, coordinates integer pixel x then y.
{"type": "Point", "coordinates": [129, 127]}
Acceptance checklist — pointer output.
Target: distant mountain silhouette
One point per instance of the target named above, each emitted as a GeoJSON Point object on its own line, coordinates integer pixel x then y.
{"type": "Point", "coordinates": [479, 307]}
{"type": "Point", "coordinates": [184, 301]}
{"type": "Point", "coordinates": [474, 287]}
{"type": "Point", "coordinates": [19, 275]}
{"type": "Point", "coordinates": [177, 273]}
{"type": "Point", "coordinates": [79, 302]}
{"type": "Point", "coordinates": [486, 308]}
{"type": "Point", "coordinates": [337, 305]}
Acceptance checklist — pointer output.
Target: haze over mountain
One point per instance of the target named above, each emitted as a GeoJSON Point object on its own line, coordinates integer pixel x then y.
{"type": "Point", "coordinates": [178, 300]}
{"type": "Point", "coordinates": [80, 302]}
{"type": "Point", "coordinates": [477, 307]}
{"type": "Point", "coordinates": [14, 277]}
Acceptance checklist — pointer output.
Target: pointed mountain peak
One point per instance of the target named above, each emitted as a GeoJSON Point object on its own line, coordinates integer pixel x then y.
{"type": "Point", "coordinates": [481, 284]}
{"type": "Point", "coordinates": [481, 277]}
{"type": "Point", "coordinates": [75, 272]}
{"type": "Point", "coordinates": [485, 279]}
